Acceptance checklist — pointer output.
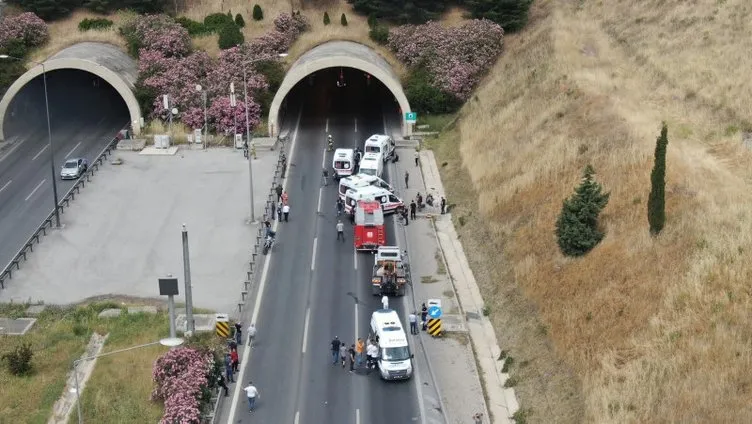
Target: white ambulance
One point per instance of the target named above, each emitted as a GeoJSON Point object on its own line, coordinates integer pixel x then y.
{"type": "Point", "coordinates": [361, 180]}
{"type": "Point", "coordinates": [389, 201]}
{"type": "Point", "coordinates": [343, 162]}
{"type": "Point", "coordinates": [379, 143]}
{"type": "Point", "coordinates": [395, 359]}
{"type": "Point", "coordinates": [371, 164]}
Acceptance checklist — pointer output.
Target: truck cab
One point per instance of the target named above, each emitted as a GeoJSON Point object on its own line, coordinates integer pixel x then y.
{"type": "Point", "coordinates": [395, 358]}
{"type": "Point", "coordinates": [390, 274]}
{"type": "Point", "coordinates": [369, 231]}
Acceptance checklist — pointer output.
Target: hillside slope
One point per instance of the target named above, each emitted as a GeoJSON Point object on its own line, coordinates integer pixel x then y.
{"type": "Point", "coordinates": [641, 329]}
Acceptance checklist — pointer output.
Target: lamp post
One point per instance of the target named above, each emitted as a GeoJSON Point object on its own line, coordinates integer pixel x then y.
{"type": "Point", "coordinates": [206, 125]}
{"type": "Point", "coordinates": [170, 342]}
{"type": "Point", "coordinates": [248, 126]}
{"type": "Point", "coordinates": [49, 135]}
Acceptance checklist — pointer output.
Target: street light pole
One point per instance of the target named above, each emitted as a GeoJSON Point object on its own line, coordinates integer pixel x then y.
{"type": "Point", "coordinates": [190, 324]}
{"type": "Point", "coordinates": [248, 140]}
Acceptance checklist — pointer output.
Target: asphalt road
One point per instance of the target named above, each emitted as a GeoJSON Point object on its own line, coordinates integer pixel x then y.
{"type": "Point", "coordinates": [318, 288]}
{"type": "Point", "coordinates": [83, 120]}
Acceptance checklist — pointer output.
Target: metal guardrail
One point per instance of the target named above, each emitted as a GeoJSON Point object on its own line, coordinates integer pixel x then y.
{"type": "Point", "coordinates": [46, 224]}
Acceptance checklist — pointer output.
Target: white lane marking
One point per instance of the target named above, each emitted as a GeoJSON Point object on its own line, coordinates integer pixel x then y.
{"type": "Point", "coordinates": [73, 150]}
{"type": "Point", "coordinates": [318, 208]}
{"type": "Point", "coordinates": [356, 321]}
{"type": "Point", "coordinates": [305, 330]}
{"type": "Point", "coordinates": [6, 185]}
{"type": "Point", "coordinates": [355, 258]}
{"type": "Point", "coordinates": [35, 190]}
{"type": "Point", "coordinates": [357, 416]}
{"type": "Point", "coordinates": [40, 152]}
{"type": "Point", "coordinates": [313, 255]}
{"type": "Point", "coordinates": [15, 146]}
{"type": "Point", "coordinates": [356, 124]}
{"type": "Point", "coordinates": [326, 129]}
{"type": "Point", "coordinates": [262, 284]}
{"type": "Point", "coordinates": [323, 159]}
{"type": "Point", "coordinates": [297, 417]}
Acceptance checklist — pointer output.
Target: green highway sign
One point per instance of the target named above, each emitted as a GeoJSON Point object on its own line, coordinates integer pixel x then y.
{"type": "Point", "coordinates": [411, 117]}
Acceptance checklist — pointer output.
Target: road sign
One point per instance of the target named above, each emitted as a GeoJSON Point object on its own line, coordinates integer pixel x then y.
{"type": "Point", "coordinates": [434, 312]}
{"type": "Point", "coordinates": [434, 327]}
{"type": "Point", "coordinates": [223, 325]}
{"type": "Point", "coordinates": [411, 117]}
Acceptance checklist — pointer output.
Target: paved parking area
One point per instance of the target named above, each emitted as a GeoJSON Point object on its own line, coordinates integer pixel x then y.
{"type": "Point", "coordinates": [124, 230]}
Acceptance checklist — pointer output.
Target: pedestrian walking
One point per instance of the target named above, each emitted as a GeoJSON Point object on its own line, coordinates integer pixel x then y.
{"type": "Point", "coordinates": [351, 356]}
{"type": "Point", "coordinates": [274, 209]}
{"type": "Point", "coordinates": [413, 320]}
{"type": "Point", "coordinates": [285, 198]}
{"type": "Point", "coordinates": [228, 368]}
{"type": "Point", "coordinates": [279, 211]}
{"type": "Point", "coordinates": [234, 360]}
{"type": "Point", "coordinates": [340, 231]}
{"type": "Point", "coordinates": [385, 302]}
{"type": "Point", "coordinates": [335, 349]}
{"type": "Point", "coordinates": [407, 179]}
{"type": "Point", "coordinates": [423, 316]}
{"type": "Point", "coordinates": [286, 212]}
{"type": "Point", "coordinates": [359, 348]}
{"type": "Point", "coordinates": [251, 334]}
{"type": "Point", "coordinates": [403, 213]}
{"type": "Point", "coordinates": [252, 393]}
{"type": "Point", "coordinates": [417, 157]}
{"type": "Point", "coordinates": [222, 385]}
{"type": "Point", "coordinates": [413, 209]}
{"type": "Point", "coordinates": [343, 354]}
{"type": "Point", "coordinates": [443, 205]}
{"type": "Point", "coordinates": [372, 353]}
{"type": "Point", "coordinates": [278, 190]}
{"type": "Point", "coordinates": [238, 333]}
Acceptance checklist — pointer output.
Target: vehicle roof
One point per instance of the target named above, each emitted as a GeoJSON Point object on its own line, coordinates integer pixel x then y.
{"type": "Point", "coordinates": [343, 153]}
{"type": "Point", "coordinates": [360, 178]}
{"type": "Point", "coordinates": [377, 137]}
{"type": "Point", "coordinates": [371, 156]}
{"type": "Point", "coordinates": [72, 160]}
{"type": "Point", "coordinates": [369, 205]}
{"type": "Point", "coordinates": [390, 328]}
{"type": "Point", "coordinates": [366, 191]}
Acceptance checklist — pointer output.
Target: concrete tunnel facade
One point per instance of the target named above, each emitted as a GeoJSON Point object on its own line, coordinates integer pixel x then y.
{"type": "Point", "coordinates": [106, 61]}
{"type": "Point", "coordinates": [337, 54]}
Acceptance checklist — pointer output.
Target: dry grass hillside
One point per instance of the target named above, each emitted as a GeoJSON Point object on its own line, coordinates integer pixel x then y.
{"type": "Point", "coordinates": [641, 329]}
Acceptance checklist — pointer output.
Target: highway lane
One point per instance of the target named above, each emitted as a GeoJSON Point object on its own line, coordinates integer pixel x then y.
{"type": "Point", "coordinates": [318, 288]}
{"type": "Point", "coordinates": [25, 175]}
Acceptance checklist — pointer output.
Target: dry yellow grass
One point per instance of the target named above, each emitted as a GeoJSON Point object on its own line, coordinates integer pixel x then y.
{"type": "Point", "coordinates": [647, 330]}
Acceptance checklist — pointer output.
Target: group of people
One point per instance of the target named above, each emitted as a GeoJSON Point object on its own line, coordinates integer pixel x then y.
{"type": "Point", "coordinates": [281, 208]}
{"type": "Point", "coordinates": [232, 359]}
{"type": "Point", "coordinates": [354, 354]}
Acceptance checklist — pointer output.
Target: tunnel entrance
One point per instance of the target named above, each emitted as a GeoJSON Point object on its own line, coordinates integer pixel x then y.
{"type": "Point", "coordinates": [79, 102]}
{"type": "Point", "coordinates": [363, 71]}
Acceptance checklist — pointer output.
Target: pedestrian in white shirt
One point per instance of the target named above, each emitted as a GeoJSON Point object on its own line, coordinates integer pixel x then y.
{"type": "Point", "coordinates": [286, 212]}
{"type": "Point", "coordinates": [251, 334]}
{"type": "Point", "coordinates": [413, 320]}
{"type": "Point", "coordinates": [372, 355]}
{"type": "Point", "coordinates": [252, 393]}
{"type": "Point", "coordinates": [340, 231]}
{"type": "Point", "coordinates": [385, 302]}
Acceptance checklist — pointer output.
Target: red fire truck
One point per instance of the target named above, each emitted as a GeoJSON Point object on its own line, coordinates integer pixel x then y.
{"type": "Point", "coordinates": [369, 226]}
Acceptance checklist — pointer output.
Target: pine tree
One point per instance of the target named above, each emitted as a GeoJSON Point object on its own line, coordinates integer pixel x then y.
{"type": "Point", "coordinates": [657, 197]}
{"type": "Point", "coordinates": [343, 20]}
{"type": "Point", "coordinates": [577, 226]}
{"type": "Point", "coordinates": [510, 14]}
{"type": "Point", "coordinates": [327, 21]}
{"type": "Point", "coordinates": [258, 14]}
{"type": "Point", "coordinates": [239, 21]}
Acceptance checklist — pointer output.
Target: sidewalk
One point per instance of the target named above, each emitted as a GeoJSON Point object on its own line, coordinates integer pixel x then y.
{"type": "Point", "coordinates": [440, 271]}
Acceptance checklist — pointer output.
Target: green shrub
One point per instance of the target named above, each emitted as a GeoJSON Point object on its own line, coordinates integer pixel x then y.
{"type": "Point", "coordinates": [512, 15]}
{"type": "Point", "coordinates": [95, 24]}
{"type": "Point", "coordinates": [379, 34]}
{"type": "Point", "coordinates": [230, 36]}
{"type": "Point", "coordinates": [18, 361]}
{"type": "Point", "coordinates": [577, 229]}
{"type": "Point", "coordinates": [273, 73]}
{"type": "Point", "coordinates": [239, 21]}
{"type": "Point", "coordinates": [327, 21]}
{"type": "Point", "coordinates": [426, 98]}
{"type": "Point", "coordinates": [258, 14]}
{"type": "Point", "coordinates": [217, 21]}
{"type": "Point", "coordinates": [343, 20]}
{"type": "Point", "coordinates": [194, 28]}
{"type": "Point", "coordinates": [14, 47]}
{"type": "Point", "coordinates": [372, 22]}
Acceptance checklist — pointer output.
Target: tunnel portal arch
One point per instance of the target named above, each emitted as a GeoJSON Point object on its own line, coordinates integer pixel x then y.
{"type": "Point", "coordinates": [335, 54]}
{"type": "Point", "coordinates": [103, 60]}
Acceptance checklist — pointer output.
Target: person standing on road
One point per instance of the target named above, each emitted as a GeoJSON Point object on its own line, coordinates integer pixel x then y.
{"type": "Point", "coordinates": [335, 349]}
{"type": "Point", "coordinates": [443, 205]}
{"type": "Point", "coordinates": [403, 213]}
{"type": "Point", "coordinates": [222, 385]}
{"type": "Point", "coordinates": [279, 211]}
{"type": "Point", "coordinates": [234, 360]}
{"type": "Point", "coordinates": [351, 356]}
{"type": "Point", "coordinates": [251, 334]}
{"type": "Point", "coordinates": [286, 212]}
{"type": "Point", "coordinates": [359, 347]}
{"type": "Point", "coordinates": [423, 316]}
{"type": "Point", "coordinates": [285, 198]}
{"type": "Point", "coordinates": [228, 368]}
{"type": "Point", "coordinates": [325, 174]}
{"type": "Point", "coordinates": [385, 302]}
{"type": "Point", "coordinates": [372, 352]}
{"type": "Point", "coordinates": [343, 354]}
{"type": "Point", "coordinates": [340, 230]}
{"type": "Point", "coordinates": [238, 333]}
{"type": "Point", "coordinates": [417, 158]}
{"type": "Point", "coordinates": [252, 393]}
{"type": "Point", "coordinates": [274, 209]}
{"type": "Point", "coordinates": [278, 190]}
{"type": "Point", "coordinates": [407, 179]}
{"type": "Point", "coordinates": [413, 208]}
{"type": "Point", "coordinates": [340, 206]}
{"type": "Point", "coordinates": [413, 319]}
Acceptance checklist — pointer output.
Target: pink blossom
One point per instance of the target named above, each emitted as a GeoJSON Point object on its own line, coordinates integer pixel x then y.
{"type": "Point", "coordinates": [27, 27]}
{"type": "Point", "coordinates": [179, 376]}
{"type": "Point", "coordinates": [162, 33]}
{"type": "Point", "coordinates": [222, 116]}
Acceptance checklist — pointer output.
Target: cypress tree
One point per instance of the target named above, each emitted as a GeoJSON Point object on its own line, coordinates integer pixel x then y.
{"type": "Point", "coordinates": [577, 229]}
{"type": "Point", "coordinates": [343, 20]}
{"type": "Point", "coordinates": [327, 21]}
{"type": "Point", "coordinates": [258, 14]}
{"type": "Point", "coordinates": [657, 198]}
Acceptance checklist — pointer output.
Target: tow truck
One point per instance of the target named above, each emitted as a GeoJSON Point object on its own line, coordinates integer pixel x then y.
{"type": "Point", "coordinates": [369, 226]}
{"type": "Point", "coordinates": [391, 272]}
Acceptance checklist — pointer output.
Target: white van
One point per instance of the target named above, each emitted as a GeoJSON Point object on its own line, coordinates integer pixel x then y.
{"type": "Point", "coordinates": [389, 201]}
{"type": "Point", "coordinates": [343, 162]}
{"type": "Point", "coordinates": [379, 143]}
{"type": "Point", "coordinates": [395, 359]}
{"type": "Point", "coordinates": [371, 164]}
{"type": "Point", "coordinates": [361, 180]}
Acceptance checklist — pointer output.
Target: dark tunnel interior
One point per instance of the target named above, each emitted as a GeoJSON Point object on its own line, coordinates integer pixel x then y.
{"type": "Point", "coordinates": [338, 91]}
{"type": "Point", "coordinates": [78, 101]}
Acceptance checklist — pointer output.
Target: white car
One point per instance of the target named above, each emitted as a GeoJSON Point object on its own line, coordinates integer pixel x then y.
{"type": "Point", "coordinates": [74, 168]}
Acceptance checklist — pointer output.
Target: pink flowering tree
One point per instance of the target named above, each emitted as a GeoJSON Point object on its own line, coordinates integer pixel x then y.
{"type": "Point", "coordinates": [26, 27]}
{"type": "Point", "coordinates": [455, 57]}
{"type": "Point", "coordinates": [181, 377]}
{"type": "Point", "coordinates": [223, 117]}
{"type": "Point", "coordinates": [157, 32]}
